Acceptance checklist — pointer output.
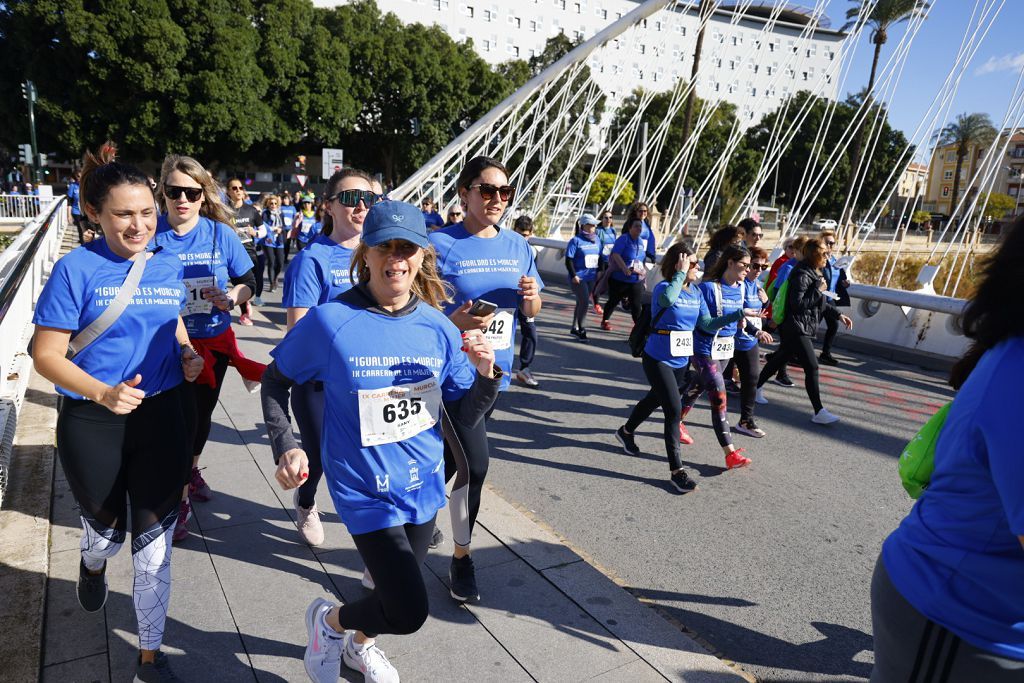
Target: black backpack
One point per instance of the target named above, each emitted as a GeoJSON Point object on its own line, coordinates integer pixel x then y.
{"type": "Point", "coordinates": [641, 330]}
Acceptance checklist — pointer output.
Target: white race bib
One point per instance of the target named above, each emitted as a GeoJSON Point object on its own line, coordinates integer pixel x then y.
{"type": "Point", "coordinates": [637, 266]}
{"type": "Point", "coordinates": [499, 332]}
{"type": "Point", "coordinates": [607, 249]}
{"type": "Point", "coordinates": [722, 348]}
{"type": "Point", "coordinates": [755, 321]}
{"type": "Point", "coordinates": [681, 343]}
{"type": "Point", "coordinates": [590, 260]}
{"type": "Point", "coordinates": [195, 303]}
{"type": "Point", "coordinates": [396, 413]}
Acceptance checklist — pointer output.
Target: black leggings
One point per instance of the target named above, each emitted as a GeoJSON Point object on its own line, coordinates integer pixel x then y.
{"type": "Point", "coordinates": [831, 329]}
{"type": "Point", "coordinates": [466, 446]}
{"type": "Point", "coordinates": [261, 263]}
{"type": "Point", "coordinates": [308, 407]}
{"type": "Point", "coordinates": [205, 400]}
{"type": "Point", "coordinates": [619, 290]}
{"type": "Point", "coordinates": [528, 346]}
{"type": "Point", "coordinates": [275, 264]}
{"type": "Point", "coordinates": [121, 465]}
{"type": "Point", "coordinates": [666, 385]}
{"type": "Point", "coordinates": [800, 347]}
{"type": "Point", "coordinates": [748, 362]}
{"type": "Point", "coordinates": [398, 603]}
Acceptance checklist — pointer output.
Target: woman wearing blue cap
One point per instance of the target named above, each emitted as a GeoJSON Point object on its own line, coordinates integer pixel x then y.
{"type": "Point", "coordinates": [391, 363]}
{"type": "Point", "coordinates": [582, 254]}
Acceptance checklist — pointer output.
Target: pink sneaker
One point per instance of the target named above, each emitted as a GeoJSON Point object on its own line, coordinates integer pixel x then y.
{"type": "Point", "coordinates": [736, 459]}
{"type": "Point", "coordinates": [198, 488]}
{"type": "Point", "coordinates": [684, 436]}
{"type": "Point", "coordinates": [181, 528]}
{"type": "Point", "coordinates": [244, 319]}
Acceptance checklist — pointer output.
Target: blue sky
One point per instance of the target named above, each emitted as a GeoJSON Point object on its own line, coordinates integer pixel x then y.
{"type": "Point", "coordinates": [988, 84]}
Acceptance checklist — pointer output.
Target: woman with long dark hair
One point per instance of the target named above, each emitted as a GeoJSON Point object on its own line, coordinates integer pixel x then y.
{"type": "Point", "coordinates": [725, 236]}
{"type": "Point", "coordinates": [123, 427]}
{"type": "Point", "coordinates": [628, 273]}
{"type": "Point", "coordinates": [483, 260]}
{"type": "Point", "coordinates": [806, 304]}
{"type": "Point", "coordinates": [947, 592]}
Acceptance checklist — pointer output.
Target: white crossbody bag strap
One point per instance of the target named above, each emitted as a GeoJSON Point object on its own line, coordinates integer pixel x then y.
{"type": "Point", "coordinates": [109, 316]}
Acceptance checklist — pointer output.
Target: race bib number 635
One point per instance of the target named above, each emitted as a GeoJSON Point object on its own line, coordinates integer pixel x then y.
{"type": "Point", "coordinates": [396, 413]}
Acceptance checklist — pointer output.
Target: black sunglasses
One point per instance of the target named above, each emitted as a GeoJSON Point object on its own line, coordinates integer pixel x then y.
{"type": "Point", "coordinates": [351, 198]}
{"type": "Point", "coordinates": [235, 187]}
{"type": "Point", "coordinates": [830, 244]}
{"type": "Point", "coordinates": [487, 191]}
{"type": "Point", "coordinates": [758, 266]}
{"type": "Point", "coordinates": [192, 194]}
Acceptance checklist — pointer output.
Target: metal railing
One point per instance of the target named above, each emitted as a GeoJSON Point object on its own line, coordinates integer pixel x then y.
{"type": "Point", "coordinates": [21, 205]}
{"type": "Point", "coordinates": [24, 268]}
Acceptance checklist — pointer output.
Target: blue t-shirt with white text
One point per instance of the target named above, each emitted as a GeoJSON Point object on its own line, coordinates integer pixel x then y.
{"type": "Point", "coordinates": [731, 301]}
{"type": "Point", "coordinates": [487, 268]}
{"type": "Point", "coordinates": [317, 274]}
{"type": "Point", "coordinates": [744, 341]}
{"type": "Point", "coordinates": [687, 309]}
{"type": "Point", "coordinates": [585, 255]}
{"type": "Point", "coordinates": [352, 349]}
{"type": "Point", "coordinates": [202, 259]}
{"type": "Point", "coordinates": [143, 338]}
{"type": "Point", "coordinates": [630, 251]}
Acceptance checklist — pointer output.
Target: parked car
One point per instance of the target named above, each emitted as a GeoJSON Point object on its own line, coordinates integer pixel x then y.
{"type": "Point", "coordinates": [865, 228]}
{"type": "Point", "coordinates": [825, 224]}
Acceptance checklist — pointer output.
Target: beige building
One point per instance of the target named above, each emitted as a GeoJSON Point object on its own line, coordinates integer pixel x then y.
{"type": "Point", "coordinates": [913, 182]}
{"type": "Point", "coordinates": [943, 166]}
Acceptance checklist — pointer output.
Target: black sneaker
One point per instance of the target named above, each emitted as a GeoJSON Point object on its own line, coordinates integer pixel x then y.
{"type": "Point", "coordinates": [92, 588]}
{"type": "Point", "coordinates": [827, 359]}
{"type": "Point", "coordinates": [582, 335]}
{"type": "Point", "coordinates": [574, 332]}
{"type": "Point", "coordinates": [628, 444]}
{"type": "Point", "coordinates": [158, 671]}
{"type": "Point", "coordinates": [682, 482]}
{"type": "Point", "coordinates": [437, 539]}
{"type": "Point", "coordinates": [731, 387]}
{"type": "Point", "coordinates": [750, 428]}
{"type": "Point", "coordinates": [462, 577]}
{"type": "Point", "coordinates": [784, 381]}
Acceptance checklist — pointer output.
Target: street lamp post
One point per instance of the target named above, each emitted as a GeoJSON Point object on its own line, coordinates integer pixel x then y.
{"type": "Point", "coordinates": [28, 90]}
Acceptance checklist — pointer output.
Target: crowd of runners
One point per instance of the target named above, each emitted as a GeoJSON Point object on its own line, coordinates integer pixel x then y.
{"type": "Point", "coordinates": [401, 337]}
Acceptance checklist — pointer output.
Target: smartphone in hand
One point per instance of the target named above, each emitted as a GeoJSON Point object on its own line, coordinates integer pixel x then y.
{"type": "Point", "coordinates": [481, 308]}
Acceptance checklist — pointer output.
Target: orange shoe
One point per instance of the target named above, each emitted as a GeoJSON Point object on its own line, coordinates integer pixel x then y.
{"type": "Point", "coordinates": [735, 459]}
{"type": "Point", "coordinates": [605, 325]}
{"type": "Point", "coordinates": [684, 436]}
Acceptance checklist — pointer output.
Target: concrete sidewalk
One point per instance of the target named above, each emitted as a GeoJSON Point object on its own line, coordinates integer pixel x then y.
{"type": "Point", "coordinates": [242, 581]}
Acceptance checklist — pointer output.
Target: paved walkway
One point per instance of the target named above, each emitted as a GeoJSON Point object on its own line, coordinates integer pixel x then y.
{"type": "Point", "coordinates": [242, 581]}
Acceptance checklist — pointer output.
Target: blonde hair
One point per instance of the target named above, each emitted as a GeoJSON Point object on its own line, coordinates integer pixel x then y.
{"type": "Point", "coordinates": [212, 206]}
{"type": "Point", "coordinates": [826, 233]}
{"type": "Point", "coordinates": [428, 285]}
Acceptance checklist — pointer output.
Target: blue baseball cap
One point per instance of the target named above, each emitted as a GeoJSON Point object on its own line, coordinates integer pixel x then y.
{"type": "Point", "coordinates": [393, 220]}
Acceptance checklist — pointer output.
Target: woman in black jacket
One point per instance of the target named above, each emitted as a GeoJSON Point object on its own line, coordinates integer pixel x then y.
{"type": "Point", "coordinates": [806, 304]}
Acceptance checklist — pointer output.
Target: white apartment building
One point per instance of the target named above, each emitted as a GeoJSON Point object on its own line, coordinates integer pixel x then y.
{"type": "Point", "coordinates": [741, 62]}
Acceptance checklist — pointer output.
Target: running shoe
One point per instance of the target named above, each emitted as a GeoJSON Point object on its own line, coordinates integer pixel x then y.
{"type": "Point", "coordinates": [759, 397]}
{"type": "Point", "coordinates": [628, 444]}
{"type": "Point", "coordinates": [257, 301]}
{"type": "Point", "coordinates": [575, 332]}
{"type": "Point", "coordinates": [526, 377]}
{"type": "Point", "coordinates": [823, 417]}
{"type": "Point", "coordinates": [369, 660]}
{"type": "Point", "coordinates": [323, 646]}
{"type": "Point", "coordinates": [462, 576]}
{"type": "Point", "coordinates": [181, 528]}
{"type": "Point", "coordinates": [157, 671]}
{"type": "Point", "coordinates": [605, 325]}
{"type": "Point", "coordinates": [307, 521]}
{"type": "Point", "coordinates": [731, 387]}
{"type": "Point", "coordinates": [684, 436]}
{"type": "Point", "coordinates": [436, 539]}
{"type": "Point", "coordinates": [91, 588]}
{"type": "Point", "coordinates": [750, 428]}
{"type": "Point", "coordinates": [598, 308]}
{"type": "Point", "coordinates": [245, 319]}
{"type": "Point", "coordinates": [252, 386]}
{"type": "Point", "coordinates": [681, 480]}
{"type": "Point", "coordinates": [736, 459]}
{"type": "Point", "coordinates": [367, 580]}
{"type": "Point", "coordinates": [198, 489]}
{"type": "Point", "coordinates": [784, 381]}
{"type": "Point", "coordinates": [826, 358]}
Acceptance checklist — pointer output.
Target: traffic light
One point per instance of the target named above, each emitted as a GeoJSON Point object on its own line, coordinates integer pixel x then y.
{"type": "Point", "coordinates": [42, 160]}
{"type": "Point", "coordinates": [28, 91]}
{"type": "Point", "coordinates": [25, 154]}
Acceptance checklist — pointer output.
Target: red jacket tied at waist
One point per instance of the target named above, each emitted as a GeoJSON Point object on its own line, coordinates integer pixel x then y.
{"type": "Point", "coordinates": [226, 345]}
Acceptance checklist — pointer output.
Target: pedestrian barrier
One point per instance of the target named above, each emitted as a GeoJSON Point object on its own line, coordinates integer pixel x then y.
{"type": "Point", "coordinates": [24, 267]}
{"type": "Point", "coordinates": [21, 206]}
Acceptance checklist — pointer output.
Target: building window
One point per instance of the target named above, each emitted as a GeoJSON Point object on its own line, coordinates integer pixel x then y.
{"type": "Point", "coordinates": [468, 10]}
{"type": "Point", "coordinates": [945, 190]}
{"type": "Point", "coordinates": [440, 5]}
{"type": "Point", "coordinates": [560, 4]}
{"type": "Point", "coordinates": [534, 25]}
{"type": "Point", "coordinates": [771, 46]}
{"type": "Point", "coordinates": [486, 45]}
{"type": "Point", "coordinates": [641, 48]}
{"type": "Point", "coordinates": [489, 15]}
{"type": "Point", "coordinates": [732, 65]}
{"type": "Point", "coordinates": [680, 29]}
{"type": "Point", "coordinates": [657, 26]}
{"type": "Point", "coordinates": [577, 35]}
{"type": "Point", "coordinates": [951, 156]}
{"type": "Point", "coordinates": [769, 70]}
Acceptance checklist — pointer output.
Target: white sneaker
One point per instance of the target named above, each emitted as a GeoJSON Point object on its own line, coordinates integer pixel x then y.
{"type": "Point", "coordinates": [823, 417]}
{"type": "Point", "coordinates": [374, 666]}
{"type": "Point", "coordinates": [367, 580]}
{"type": "Point", "coordinates": [324, 645]}
{"type": "Point", "coordinates": [307, 520]}
{"type": "Point", "coordinates": [759, 397]}
{"type": "Point", "coordinates": [526, 377]}
{"type": "Point", "coordinates": [251, 386]}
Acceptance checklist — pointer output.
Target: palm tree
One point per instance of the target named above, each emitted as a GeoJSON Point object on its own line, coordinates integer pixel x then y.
{"type": "Point", "coordinates": [881, 18]}
{"type": "Point", "coordinates": [969, 130]}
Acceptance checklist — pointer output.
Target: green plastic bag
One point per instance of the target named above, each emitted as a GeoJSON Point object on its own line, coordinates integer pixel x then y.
{"type": "Point", "coordinates": [917, 462]}
{"type": "Point", "coordinates": [779, 303]}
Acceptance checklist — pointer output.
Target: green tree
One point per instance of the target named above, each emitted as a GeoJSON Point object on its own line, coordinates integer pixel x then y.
{"type": "Point", "coordinates": [882, 16]}
{"type": "Point", "coordinates": [969, 130]}
{"type": "Point", "coordinates": [601, 190]}
{"type": "Point", "coordinates": [920, 217]}
{"type": "Point", "coordinates": [995, 205]}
